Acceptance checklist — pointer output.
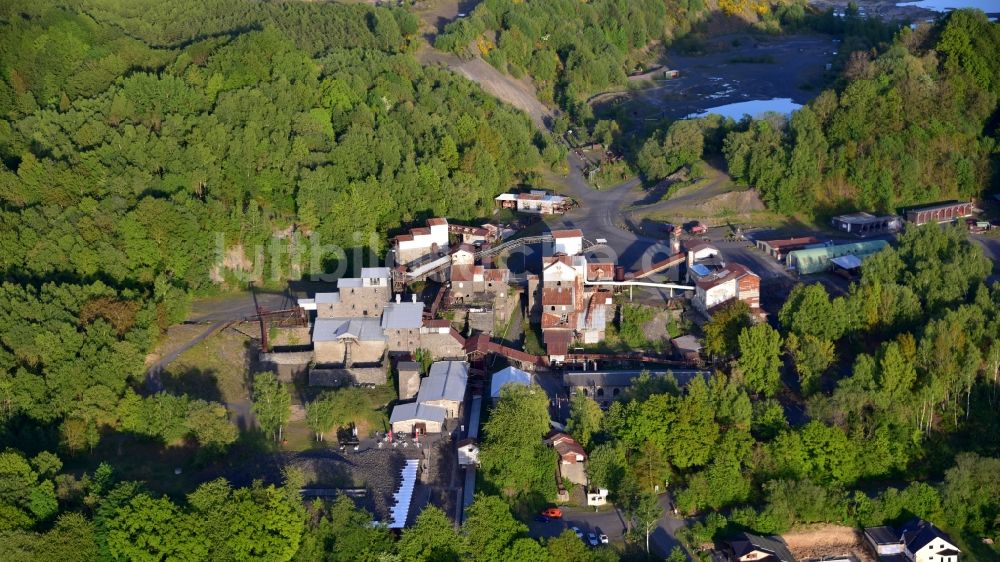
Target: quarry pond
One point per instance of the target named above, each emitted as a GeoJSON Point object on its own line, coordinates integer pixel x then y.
{"type": "Point", "coordinates": [768, 73]}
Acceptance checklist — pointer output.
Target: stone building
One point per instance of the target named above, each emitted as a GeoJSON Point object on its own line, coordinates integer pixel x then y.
{"type": "Point", "coordinates": [366, 295]}
{"type": "Point", "coordinates": [401, 324]}
{"type": "Point", "coordinates": [409, 379]}
{"type": "Point", "coordinates": [445, 386]}
{"type": "Point", "coordinates": [348, 341]}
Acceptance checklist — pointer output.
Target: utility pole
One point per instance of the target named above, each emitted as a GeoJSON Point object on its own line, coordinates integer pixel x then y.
{"type": "Point", "coordinates": [264, 346]}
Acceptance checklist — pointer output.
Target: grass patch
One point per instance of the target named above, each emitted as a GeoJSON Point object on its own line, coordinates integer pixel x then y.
{"type": "Point", "coordinates": [215, 369]}
{"type": "Point", "coordinates": [533, 338]}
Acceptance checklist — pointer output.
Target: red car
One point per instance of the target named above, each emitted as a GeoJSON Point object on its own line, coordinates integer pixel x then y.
{"type": "Point", "coordinates": [552, 513]}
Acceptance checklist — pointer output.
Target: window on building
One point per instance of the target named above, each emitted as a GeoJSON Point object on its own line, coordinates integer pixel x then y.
{"type": "Point", "coordinates": [615, 392]}
{"type": "Point", "coordinates": [586, 392]}
{"type": "Point", "coordinates": [600, 392]}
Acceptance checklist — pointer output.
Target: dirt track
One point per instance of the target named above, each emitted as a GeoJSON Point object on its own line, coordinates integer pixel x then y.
{"type": "Point", "coordinates": [825, 541]}
{"type": "Point", "coordinates": [518, 93]}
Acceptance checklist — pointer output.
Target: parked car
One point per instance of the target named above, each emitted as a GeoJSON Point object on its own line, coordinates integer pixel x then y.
{"type": "Point", "coordinates": [600, 535]}
{"type": "Point", "coordinates": [542, 519]}
{"type": "Point", "coordinates": [592, 539]}
{"type": "Point", "coordinates": [553, 513]}
{"type": "Point", "coordinates": [577, 532]}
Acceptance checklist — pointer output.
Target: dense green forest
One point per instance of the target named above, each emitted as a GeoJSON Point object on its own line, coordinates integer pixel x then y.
{"type": "Point", "coordinates": [132, 141]}
{"type": "Point", "coordinates": [137, 135]}
{"type": "Point", "coordinates": [570, 49]}
{"type": "Point", "coordinates": [917, 123]}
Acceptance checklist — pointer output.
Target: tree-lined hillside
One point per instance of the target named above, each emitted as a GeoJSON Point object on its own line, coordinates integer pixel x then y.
{"type": "Point", "coordinates": [915, 124]}
{"type": "Point", "coordinates": [141, 140]}
{"type": "Point", "coordinates": [570, 49]}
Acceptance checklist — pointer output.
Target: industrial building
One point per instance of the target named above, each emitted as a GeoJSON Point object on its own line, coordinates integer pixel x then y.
{"type": "Point", "coordinates": [866, 224]}
{"type": "Point", "coordinates": [777, 249]}
{"type": "Point", "coordinates": [419, 242]}
{"type": "Point", "coordinates": [444, 386]}
{"type": "Point", "coordinates": [939, 212]}
{"type": "Point", "coordinates": [733, 282]}
{"type": "Point", "coordinates": [535, 201]}
{"type": "Point", "coordinates": [816, 260]}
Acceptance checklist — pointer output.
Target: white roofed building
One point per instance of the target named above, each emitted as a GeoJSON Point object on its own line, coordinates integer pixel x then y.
{"type": "Point", "coordinates": [420, 242]}
{"type": "Point", "coordinates": [510, 375]}
{"type": "Point", "coordinates": [535, 202]}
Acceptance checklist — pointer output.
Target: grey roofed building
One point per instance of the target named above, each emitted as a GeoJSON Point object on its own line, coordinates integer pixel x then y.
{"type": "Point", "coordinates": [447, 381]}
{"type": "Point", "coordinates": [919, 533]}
{"type": "Point", "coordinates": [403, 315]}
{"type": "Point", "coordinates": [375, 273]}
{"type": "Point", "coordinates": [417, 411]}
{"type": "Point", "coordinates": [745, 543]}
{"type": "Point", "coordinates": [883, 535]}
{"type": "Point", "coordinates": [362, 329]}
{"type": "Point", "coordinates": [407, 366]}
{"type": "Point", "coordinates": [348, 283]}
{"type": "Point", "coordinates": [327, 298]}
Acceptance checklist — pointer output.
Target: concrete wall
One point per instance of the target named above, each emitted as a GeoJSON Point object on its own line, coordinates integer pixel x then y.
{"type": "Point", "coordinates": [409, 384]}
{"type": "Point", "coordinates": [574, 472]}
{"type": "Point", "coordinates": [715, 296]}
{"type": "Point", "coordinates": [332, 352]}
{"type": "Point", "coordinates": [367, 352]}
{"type": "Point", "coordinates": [345, 377]}
{"type": "Point", "coordinates": [450, 405]}
{"type": "Point", "coordinates": [406, 426]}
{"type": "Point", "coordinates": [442, 346]}
{"type": "Point", "coordinates": [329, 352]}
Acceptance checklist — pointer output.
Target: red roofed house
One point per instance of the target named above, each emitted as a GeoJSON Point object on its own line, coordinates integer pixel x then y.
{"type": "Point", "coordinates": [572, 457]}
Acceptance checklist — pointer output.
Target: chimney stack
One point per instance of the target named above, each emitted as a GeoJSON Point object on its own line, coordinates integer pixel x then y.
{"type": "Point", "coordinates": [414, 297]}
{"type": "Point", "coordinates": [397, 298]}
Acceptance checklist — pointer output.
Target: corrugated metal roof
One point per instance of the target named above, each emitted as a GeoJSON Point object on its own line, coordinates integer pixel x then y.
{"type": "Point", "coordinates": [327, 298]}
{"type": "Point", "coordinates": [445, 381]}
{"type": "Point", "coordinates": [417, 411]}
{"type": "Point", "coordinates": [847, 262]}
{"type": "Point", "coordinates": [403, 315]}
{"type": "Point", "coordinates": [375, 273]}
{"type": "Point", "coordinates": [361, 329]}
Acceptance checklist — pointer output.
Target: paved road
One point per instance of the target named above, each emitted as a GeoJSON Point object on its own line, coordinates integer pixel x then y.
{"type": "Point", "coordinates": [587, 520]}
{"type": "Point", "coordinates": [599, 215]}
{"type": "Point", "coordinates": [664, 537]}
{"type": "Point", "coordinates": [662, 540]}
